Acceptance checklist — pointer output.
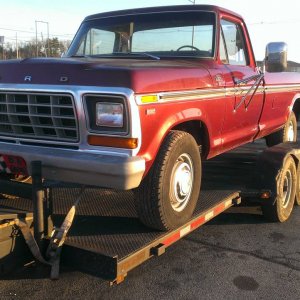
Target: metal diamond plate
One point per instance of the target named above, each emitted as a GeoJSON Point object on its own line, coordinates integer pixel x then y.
{"type": "Point", "coordinates": [106, 222]}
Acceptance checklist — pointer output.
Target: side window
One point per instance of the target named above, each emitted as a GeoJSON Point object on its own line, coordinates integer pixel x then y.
{"type": "Point", "coordinates": [97, 42]}
{"type": "Point", "coordinates": [223, 54]}
{"type": "Point", "coordinates": [235, 44]}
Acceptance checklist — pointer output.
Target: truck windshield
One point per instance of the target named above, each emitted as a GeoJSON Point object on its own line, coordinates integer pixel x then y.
{"type": "Point", "coordinates": [152, 36]}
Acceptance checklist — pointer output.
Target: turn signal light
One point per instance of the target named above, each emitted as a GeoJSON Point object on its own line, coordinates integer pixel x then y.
{"type": "Point", "coordinates": [117, 142]}
{"type": "Point", "coordinates": [149, 98]}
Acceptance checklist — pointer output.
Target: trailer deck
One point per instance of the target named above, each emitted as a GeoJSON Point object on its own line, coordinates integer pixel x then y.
{"type": "Point", "coordinates": [107, 236]}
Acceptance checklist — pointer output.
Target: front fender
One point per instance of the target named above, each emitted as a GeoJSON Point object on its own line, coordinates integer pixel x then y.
{"type": "Point", "coordinates": [157, 121]}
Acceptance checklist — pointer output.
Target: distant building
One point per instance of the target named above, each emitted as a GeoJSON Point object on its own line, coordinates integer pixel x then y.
{"type": "Point", "coordinates": [293, 66]}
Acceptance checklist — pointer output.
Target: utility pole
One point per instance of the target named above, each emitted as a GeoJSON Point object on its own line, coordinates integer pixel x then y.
{"type": "Point", "coordinates": [193, 33]}
{"type": "Point", "coordinates": [43, 49]}
{"type": "Point", "coordinates": [36, 41]}
{"type": "Point", "coordinates": [2, 43]}
{"type": "Point", "coordinates": [48, 42]}
{"type": "Point", "coordinates": [36, 37]}
{"type": "Point", "coordinates": [17, 45]}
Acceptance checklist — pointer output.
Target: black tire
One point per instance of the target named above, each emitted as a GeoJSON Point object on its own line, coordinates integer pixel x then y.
{"type": "Point", "coordinates": [286, 184]}
{"type": "Point", "coordinates": [297, 197]}
{"type": "Point", "coordinates": [283, 135]}
{"type": "Point", "coordinates": [159, 205]}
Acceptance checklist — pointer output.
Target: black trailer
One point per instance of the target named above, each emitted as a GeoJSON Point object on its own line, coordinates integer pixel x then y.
{"type": "Point", "coordinates": [106, 237]}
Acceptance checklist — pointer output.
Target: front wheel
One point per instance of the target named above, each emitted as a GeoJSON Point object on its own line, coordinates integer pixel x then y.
{"type": "Point", "coordinates": [287, 134]}
{"type": "Point", "coordinates": [169, 193]}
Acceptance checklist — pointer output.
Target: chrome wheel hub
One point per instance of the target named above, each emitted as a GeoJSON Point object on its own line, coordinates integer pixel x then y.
{"type": "Point", "coordinates": [290, 133]}
{"type": "Point", "coordinates": [181, 184]}
{"type": "Point", "coordinates": [287, 189]}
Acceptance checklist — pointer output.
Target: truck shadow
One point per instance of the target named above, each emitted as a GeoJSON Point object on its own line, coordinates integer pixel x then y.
{"type": "Point", "coordinates": [234, 170]}
{"type": "Point", "coordinates": [239, 215]}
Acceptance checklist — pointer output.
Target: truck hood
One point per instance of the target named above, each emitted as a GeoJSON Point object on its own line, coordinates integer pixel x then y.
{"type": "Point", "coordinates": [140, 75]}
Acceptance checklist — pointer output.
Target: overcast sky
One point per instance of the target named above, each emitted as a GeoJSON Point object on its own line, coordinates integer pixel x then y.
{"type": "Point", "coordinates": [267, 21]}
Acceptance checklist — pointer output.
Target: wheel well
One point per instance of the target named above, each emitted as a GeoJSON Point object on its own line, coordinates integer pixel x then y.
{"type": "Point", "coordinates": [200, 133]}
{"type": "Point", "coordinates": [296, 109]}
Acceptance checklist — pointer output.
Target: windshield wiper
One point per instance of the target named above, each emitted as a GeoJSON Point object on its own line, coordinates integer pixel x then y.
{"type": "Point", "coordinates": [80, 56]}
{"type": "Point", "coordinates": [145, 54]}
{"type": "Point", "coordinates": [123, 54]}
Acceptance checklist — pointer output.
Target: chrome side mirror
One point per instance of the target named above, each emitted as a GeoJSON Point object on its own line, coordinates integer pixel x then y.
{"type": "Point", "coordinates": [276, 57]}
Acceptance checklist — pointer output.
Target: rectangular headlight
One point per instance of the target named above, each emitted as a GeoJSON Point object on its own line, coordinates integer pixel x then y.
{"type": "Point", "coordinates": [107, 114]}
{"type": "Point", "coordinates": [110, 114]}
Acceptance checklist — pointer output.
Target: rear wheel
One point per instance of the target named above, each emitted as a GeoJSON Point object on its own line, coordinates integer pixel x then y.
{"type": "Point", "coordinates": [287, 134]}
{"type": "Point", "coordinates": [286, 184]}
{"type": "Point", "coordinates": [169, 193]}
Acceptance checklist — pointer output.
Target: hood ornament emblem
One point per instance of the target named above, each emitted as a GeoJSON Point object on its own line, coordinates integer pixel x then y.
{"type": "Point", "coordinates": [27, 78]}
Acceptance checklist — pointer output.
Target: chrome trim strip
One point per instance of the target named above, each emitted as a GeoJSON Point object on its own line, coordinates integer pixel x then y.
{"type": "Point", "coordinates": [241, 90]}
{"type": "Point", "coordinates": [212, 93]}
{"type": "Point", "coordinates": [78, 92]}
{"type": "Point", "coordinates": [282, 88]}
{"type": "Point", "coordinates": [192, 95]}
{"type": "Point", "coordinates": [201, 94]}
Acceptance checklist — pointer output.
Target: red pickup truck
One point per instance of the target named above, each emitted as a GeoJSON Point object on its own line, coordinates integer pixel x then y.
{"type": "Point", "coordinates": [140, 98]}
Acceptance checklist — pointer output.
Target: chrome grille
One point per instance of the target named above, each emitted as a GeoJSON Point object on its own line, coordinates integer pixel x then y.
{"type": "Point", "coordinates": [38, 116]}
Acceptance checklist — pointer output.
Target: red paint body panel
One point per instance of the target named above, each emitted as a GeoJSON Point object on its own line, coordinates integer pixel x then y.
{"type": "Point", "coordinates": [168, 115]}
{"type": "Point", "coordinates": [278, 105]}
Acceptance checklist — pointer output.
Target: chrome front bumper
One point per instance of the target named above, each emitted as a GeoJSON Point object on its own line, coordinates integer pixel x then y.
{"type": "Point", "coordinates": [76, 166]}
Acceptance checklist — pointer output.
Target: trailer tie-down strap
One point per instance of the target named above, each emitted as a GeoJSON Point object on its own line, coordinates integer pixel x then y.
{"type": "Point", "coordinates": [57, 240]}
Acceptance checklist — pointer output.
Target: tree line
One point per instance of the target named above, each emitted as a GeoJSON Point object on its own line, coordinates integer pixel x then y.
{"type": "Point", "coordinates": [47, 48]}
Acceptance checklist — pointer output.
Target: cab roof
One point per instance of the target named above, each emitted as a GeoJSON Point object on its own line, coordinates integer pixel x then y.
{"type": "Point", "coordinates": [161, 9]}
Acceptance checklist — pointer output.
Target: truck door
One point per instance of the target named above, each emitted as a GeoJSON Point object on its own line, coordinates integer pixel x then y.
{"type": "Point", "coordinates": [243, 110]}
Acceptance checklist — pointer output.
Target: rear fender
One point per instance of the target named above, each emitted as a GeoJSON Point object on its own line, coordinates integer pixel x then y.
{"type": "Point", "coordinates": [295, 105]}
